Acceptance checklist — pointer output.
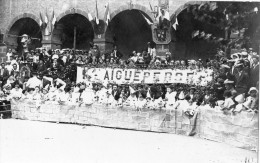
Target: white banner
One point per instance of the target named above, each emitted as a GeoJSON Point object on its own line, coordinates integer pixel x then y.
{"type": "Point", "coordinates": [123, 76]}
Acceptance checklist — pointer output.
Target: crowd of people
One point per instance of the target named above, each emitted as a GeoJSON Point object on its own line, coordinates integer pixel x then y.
{"type": "Point", "coordinates": [53, 78]}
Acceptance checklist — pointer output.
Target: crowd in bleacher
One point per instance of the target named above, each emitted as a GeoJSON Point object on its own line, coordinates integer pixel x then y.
{"type": "Point", "coordinates": [53, 78]}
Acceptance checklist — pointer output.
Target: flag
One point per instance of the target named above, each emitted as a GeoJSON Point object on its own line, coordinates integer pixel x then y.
{"type": "Point", "coordinates": [107, 14]}
{"type": "Point", "coordinates": [159, 14]}
{"type": "Point", "coordinates": [147, 20]}
{"type": "Point", "coordinates": [41, 19]}
{"type": "Point", "coordinates": [130, 5]}
{"type": "Point", "coordinates": [46, 20]}
{"type": "Point", "coordinates": [90, 18]}
{"type": "Point", "coordinates": [53, 18]}
{"type": "Point", "coordinates": [165, 15]}
{"type": "Point", "coordinates": [150, 6]}
{"type": "Point", "coordinates": [175, 24]}
{"type": "Point", "coordinates": [97, 20]}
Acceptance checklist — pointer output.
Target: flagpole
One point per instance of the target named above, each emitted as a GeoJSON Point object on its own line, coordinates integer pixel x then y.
{"type": "Point", "coordinates": [74, 40]}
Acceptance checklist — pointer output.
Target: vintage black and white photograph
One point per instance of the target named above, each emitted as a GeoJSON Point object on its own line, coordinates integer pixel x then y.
{"type": "Point", "coordinates": [129, 81]}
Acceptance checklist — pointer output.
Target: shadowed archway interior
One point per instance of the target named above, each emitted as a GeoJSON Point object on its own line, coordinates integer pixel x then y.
{"type": "Point", "coordinates": [24, 26]}
{"type": "Point", "coordinates": [84, 31]}
{"type": "Point", "coordinates": [129, 31]}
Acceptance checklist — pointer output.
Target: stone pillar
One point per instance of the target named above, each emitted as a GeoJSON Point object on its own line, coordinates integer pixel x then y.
{"type": "Point", "coordinates": [53, 41]}
{"type": "Point", "coordinates": [105, 44]}
{"type": "Point", "coordinates": [3, 50]}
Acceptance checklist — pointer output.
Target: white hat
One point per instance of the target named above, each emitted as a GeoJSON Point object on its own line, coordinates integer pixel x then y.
{"type": "Point", "coordinates": [253, 89]}
{"type": "Point", "coordinates": [227, 81]}
{"type": "Point", "coordinates": [234, 55]}
{"type": "Point", "coordinates": [243, 53]}
{"type": "Point", "coordinates": [240, 98]}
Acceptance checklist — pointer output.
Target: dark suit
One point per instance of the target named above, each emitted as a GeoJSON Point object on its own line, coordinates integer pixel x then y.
{"type": "Point", "coordinates": [116, 94]}
{"type": "Point", "coordinates": [45, 82]}
{"type": "Point", "coordinates": [242, 82]}
{"type": "Point", "coordinates": [117, 54]}
{"type": "Point", "coordinates": [4, 75]}
{"type": "Point", "coordinates": [254, 76]}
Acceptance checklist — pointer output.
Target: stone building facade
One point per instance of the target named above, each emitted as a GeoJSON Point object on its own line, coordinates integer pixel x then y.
{"type": "Point", "coordinates": [12, 11]}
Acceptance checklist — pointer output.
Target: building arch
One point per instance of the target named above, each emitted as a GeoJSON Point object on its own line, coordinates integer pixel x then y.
{"type": "Point", "coordinates": [72, 11]}
{"type": "Point", "coordinates": [135, 7]}
{"type": "Point", "coordinates": [15, 19]}
{"type": "Point", "coordinates": [184, 6]}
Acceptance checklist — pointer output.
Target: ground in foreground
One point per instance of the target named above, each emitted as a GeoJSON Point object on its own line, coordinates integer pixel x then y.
{"type": "Point", "coordinates": [42, 142]}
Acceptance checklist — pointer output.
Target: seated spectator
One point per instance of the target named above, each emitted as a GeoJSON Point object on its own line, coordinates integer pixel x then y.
{"type": "Point", "coordinates": [229, 85]}
{"type": "Point", "coordinates": [16, 92]}
{"type": "Point", "coordinates": [252, 100]}
{"type": "Point", "coordinates": [228, 103]}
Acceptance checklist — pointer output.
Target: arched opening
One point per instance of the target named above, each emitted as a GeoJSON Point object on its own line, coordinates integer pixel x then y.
{"type": "Point", "coordinates": [24, 26]}
{"type": "Point", "coordinates": [186, 46]}
{"type": "Point", "coordinates": [74, 25]}
{"type": "Point", "coordinates": [129, 31]}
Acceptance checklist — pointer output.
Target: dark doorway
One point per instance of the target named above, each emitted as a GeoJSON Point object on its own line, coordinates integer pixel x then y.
{"type": "Point", "coordinates": [24, 26]}
{"type": "Point", "coordinates": [84, 31]}
{"type": "Point", "coordinates": [129, 31]}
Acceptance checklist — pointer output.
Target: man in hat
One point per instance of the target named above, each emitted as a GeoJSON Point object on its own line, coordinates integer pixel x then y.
{"type": "Point", "coordinates": [242, 78]}
{"type": "Point", "coordinates": [229, 85]}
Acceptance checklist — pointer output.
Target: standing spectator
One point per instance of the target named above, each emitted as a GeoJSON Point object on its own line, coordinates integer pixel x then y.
{"type": "Point", "coordinates": [116, 54]}
{"type": "Point", "coordinates": [9, 54]}
{"type": "Point", "coordinates": [4, 75]}
{"type": "Point", "coordinates": [254, 73]}
{"type": "Point", "coordinates": [151, 50]}
{"type": "Point", "coordinates": [242, 79]}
